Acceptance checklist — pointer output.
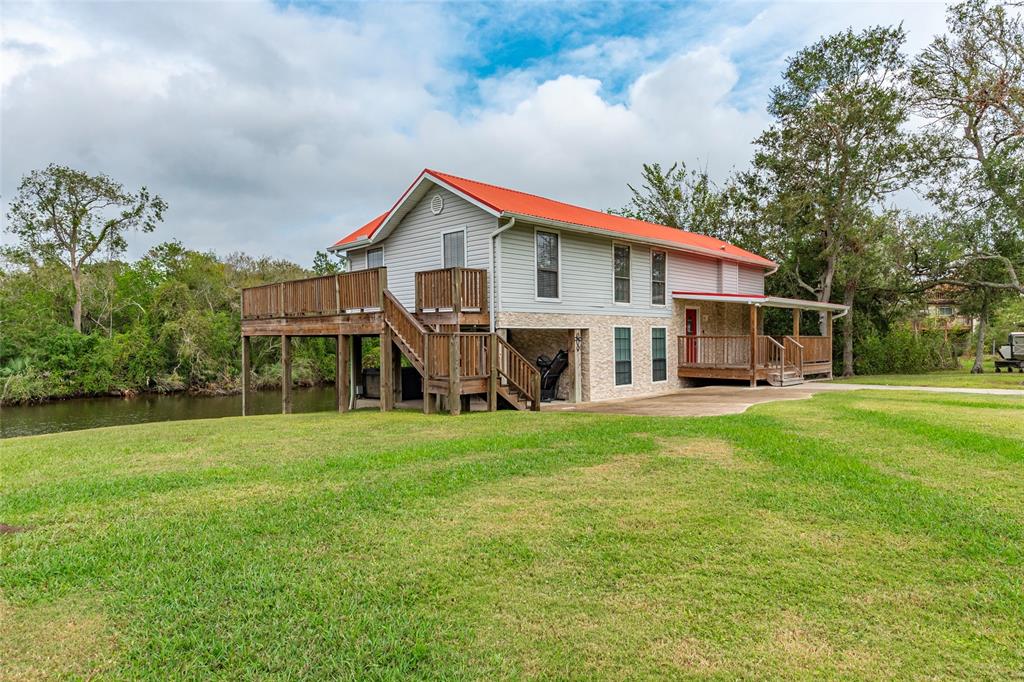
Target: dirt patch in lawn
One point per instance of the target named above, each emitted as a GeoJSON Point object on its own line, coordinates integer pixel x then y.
{"type": "Point", "coordinates": [6, 529]}
{"type": "Point", "coordinates": [710, 450]}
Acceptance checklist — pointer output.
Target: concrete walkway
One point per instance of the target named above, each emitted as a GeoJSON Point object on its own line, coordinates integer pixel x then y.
{"type": "Point", "coordinates": [709, 401]}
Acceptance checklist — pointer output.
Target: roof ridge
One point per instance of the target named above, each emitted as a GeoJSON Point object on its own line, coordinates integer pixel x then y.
{"type": "Point", "coordinates": [558, 201]}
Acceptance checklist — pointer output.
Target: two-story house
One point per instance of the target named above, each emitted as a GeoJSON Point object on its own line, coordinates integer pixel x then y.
{"type": "Point", "coordinates": [637, 308]}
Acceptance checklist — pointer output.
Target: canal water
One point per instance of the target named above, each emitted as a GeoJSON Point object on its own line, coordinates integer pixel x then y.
{"type": "Point", "coordinates": [88, 413]}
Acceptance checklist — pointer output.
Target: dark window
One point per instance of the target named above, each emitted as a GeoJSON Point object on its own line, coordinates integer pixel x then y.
{"type": "Point", "coordinates": [621, 274]}
{"type": "Point", "coordinates": [658, 277]}
{"type": "Point", "coordinates": [623, 356]}
{"type": "Point", "coordinates": [375, 258]}
{"type": "Point", "coordinates": [455, 249]}
{"type": "Point", "coordinates": [547, 265]}
{"type": "Point", "coordinates": [658, 358]}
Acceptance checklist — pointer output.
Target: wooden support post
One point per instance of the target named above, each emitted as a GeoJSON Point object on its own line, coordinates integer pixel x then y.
{"type": "Point", "coordinates": [382, 285]}
{"type": "Point", "coordinates": [753, 345]}
{"type": "Point", "coordinates": [246, 375]}
{"type": "Point", "coordinates": [387, 368]}
{"type": "Point", "coordinates": [828, 333]}
{"type": "Point", "coordinates": [454, 380]}
{"type": "Point", "coordinates": [342, 372]}
{"type": "Point", "coordinates": [492, 377]}
{"type": "Point", "coordinates": [286, 374]}
{"type": "Point", "coordinates": [456, 292]}
{"type": "Point", "coordinates": [535, 406]}
{"type": "Point", "coordinates": [428, 398]}
{"type": "Point", "coordinates": [796, 323]}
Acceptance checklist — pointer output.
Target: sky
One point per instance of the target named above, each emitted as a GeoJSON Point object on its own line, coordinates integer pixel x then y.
{"type": "Point", "coordinates": [277, 128]}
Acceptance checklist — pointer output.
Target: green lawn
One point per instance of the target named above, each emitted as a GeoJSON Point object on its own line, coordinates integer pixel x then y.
{"type": "Point", "coordinates": [953, 378]}
{"type": "Point", "coordinates": [853, 535]}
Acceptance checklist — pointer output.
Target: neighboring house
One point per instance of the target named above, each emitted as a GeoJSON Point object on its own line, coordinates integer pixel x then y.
{"type": "Point", "coordinates": [639, 308]}
{"type": "Point", "coordinates": [942, 312]}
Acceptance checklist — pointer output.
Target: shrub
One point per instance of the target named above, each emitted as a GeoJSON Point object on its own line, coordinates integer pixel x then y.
{"type": "Point", "coordinates": [900, 351]}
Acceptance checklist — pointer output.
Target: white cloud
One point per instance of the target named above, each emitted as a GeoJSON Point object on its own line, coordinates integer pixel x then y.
{"type": "Point", "coordinates": [275, 131]}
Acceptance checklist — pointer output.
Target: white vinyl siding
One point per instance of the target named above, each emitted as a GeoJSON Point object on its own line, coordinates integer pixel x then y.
{"type": "Point", "coordinates": [585, 275]}
{"type": "Point", "coordinates": [416, 243]}
{"type": "Point", "coordinates": [751, 280]}
{"type": "Point", "coordinates": [691, 273]}
{"type": "Point", "coordinates": [357, 260]}
{"type": "Point", "coordinates": [729, 282]}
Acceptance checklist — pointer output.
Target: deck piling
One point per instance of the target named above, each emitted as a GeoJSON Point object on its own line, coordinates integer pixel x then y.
{"type": "Point", "coordinates": [286, 374]}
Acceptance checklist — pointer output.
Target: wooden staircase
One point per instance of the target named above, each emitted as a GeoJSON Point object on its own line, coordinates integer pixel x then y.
{"type": "Point", "coordinates": [511, 376]}
{"type": "Point", "coordinates": [786, 364]}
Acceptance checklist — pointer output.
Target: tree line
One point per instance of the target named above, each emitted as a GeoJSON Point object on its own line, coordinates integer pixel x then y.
{"type": "Point", "coordinates": [855, 123]}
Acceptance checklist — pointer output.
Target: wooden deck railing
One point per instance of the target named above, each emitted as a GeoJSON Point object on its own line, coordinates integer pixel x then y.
{"type": "Point", "coordinates": [454, 289]}
{"type": "Point", "coordinates": [714, 351]}
{"type": "Point", "coordinates": [794, 355]}
{"type": "Point", "coordinates": [816, 348]}
{"type": "Point", "coordinates": [411, 334]}
{"type": "Point", "coordinates": [317, 296]}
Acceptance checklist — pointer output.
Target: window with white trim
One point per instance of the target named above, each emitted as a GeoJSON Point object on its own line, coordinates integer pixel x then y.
{"type": "Point", "coordinates": [659, 355]}
{"type": "Point", "coordinates": [657, 277]}
{"type": "Point", "coordinates": [621, 266]}
{"type": "Point", "coordinates": [454, 249]}
{"type": "Point", "coordinates": [547, 264]}
{"type": "Point", "coordinates": [375, 258]}
{"type": "Point", "coordinates": [623, 356]}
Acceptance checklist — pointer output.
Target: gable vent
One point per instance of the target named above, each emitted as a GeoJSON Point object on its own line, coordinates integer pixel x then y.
{"type": "Point", "coordinates": [437, 204]}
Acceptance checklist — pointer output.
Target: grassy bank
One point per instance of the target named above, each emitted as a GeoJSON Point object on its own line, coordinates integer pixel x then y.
{"type": "Point", "coordinates": [861, 534]}
{"type": "Point", "coordinates": [953, 378]}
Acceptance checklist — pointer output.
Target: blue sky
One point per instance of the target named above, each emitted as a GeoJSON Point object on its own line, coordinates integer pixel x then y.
{"type": "Point", "coordinates": [276, 128]}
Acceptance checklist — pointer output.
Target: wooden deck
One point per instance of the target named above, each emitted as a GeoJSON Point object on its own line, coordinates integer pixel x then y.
{"type": "Point", "coordinates": [780, 361]}
{"type": "Point", "coordinates": [454, 363]}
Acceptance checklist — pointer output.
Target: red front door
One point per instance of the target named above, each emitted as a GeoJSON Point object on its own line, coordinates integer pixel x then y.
{"type": "Point", "coordinates": [691, 331]}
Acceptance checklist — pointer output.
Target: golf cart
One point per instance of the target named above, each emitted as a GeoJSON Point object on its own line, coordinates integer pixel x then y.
{"type": "Point", "coordinates": [1011, 355]}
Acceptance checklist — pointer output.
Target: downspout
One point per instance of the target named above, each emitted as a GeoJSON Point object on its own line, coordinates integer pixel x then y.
{"type": "Point", "coordinates": [491, 265]}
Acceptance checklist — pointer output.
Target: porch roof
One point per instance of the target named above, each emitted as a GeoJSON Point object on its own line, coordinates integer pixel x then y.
{"type": "Point", "coordinates": [760, 300]}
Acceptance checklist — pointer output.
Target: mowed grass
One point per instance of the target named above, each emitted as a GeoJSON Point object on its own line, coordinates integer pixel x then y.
{"type": "Point", "coordinates": [855, 535]}
{"type": "Point", "coordinates": [951, 378]}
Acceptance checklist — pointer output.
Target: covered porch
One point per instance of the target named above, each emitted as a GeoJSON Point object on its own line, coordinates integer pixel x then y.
{"type": "Point", "coordinates": [724, 338]}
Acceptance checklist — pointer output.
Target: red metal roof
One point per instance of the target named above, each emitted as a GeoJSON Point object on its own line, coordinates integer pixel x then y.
{"type": "Point", "coordinates": [510, 201]}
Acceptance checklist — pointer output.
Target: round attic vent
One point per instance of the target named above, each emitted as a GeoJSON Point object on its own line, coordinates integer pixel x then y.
{"type": "Point", "coordinates": [437, 204]}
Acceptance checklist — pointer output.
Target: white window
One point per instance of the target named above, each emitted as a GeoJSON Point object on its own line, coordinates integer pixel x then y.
{"type": "Point", "coordinates": [454, 247]}
{"type": "Point", "coordinates": [623, 356]}
{"type": "Point", "coordinates": [621, 266]}
{"type": "Point", "coordinates": [547, 254]}
{"type": "Point", "coordinates": [659, 354]}
{"type": "Point", "coordinates": [657, 277]}
{"type": "Point", "coordinates": [375, 258]}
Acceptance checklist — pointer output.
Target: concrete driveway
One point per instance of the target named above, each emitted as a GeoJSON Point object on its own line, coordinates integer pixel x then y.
{"type": "Point", "coordinates": [709, 401]}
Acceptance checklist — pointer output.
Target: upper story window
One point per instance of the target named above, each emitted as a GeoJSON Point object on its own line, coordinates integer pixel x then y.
{"type": "Point", "coordinates": [946, 310]}
{"type": "Point", "coordinates": [658, 277]}
{"type": "Point", "coordinates": [454, 249]}
{"type": "Point", "coordinates": [621, 266]}
{"type": "Point", "coordinates": [547, 250]}
{"type": "Point", "coordinates": [375, 258]}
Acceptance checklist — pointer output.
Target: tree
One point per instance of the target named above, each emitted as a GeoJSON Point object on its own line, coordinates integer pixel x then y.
{"type": "Point", "coordinates": [969, 84]}
{"type": "Point", "coordinates": [65, 214]}
{"type": "Point", "coordinates": [837, 150]}
{"type": "Point", "coordinates": [676, 197]}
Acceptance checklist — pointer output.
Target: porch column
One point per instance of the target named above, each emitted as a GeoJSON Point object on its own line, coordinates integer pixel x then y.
{"type": "Point", "coordinates": [342, 371]}
{"type": "Point", "coordinates": [286, 374]}
{"type": "Point", "coordinates": [246, 374]}
{"type": "Point", "coordinates": [796, 323]}
{"type": "Point", "coordinates": [577, 365]}
{"type": "Point", "coordinates": [753, 345]}
{"type": "Point", "coordinates": [828, 333]}
{"type": "Point", "coordinates": [492, 375]}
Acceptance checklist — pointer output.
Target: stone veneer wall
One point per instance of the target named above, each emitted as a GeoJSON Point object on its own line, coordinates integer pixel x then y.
{"type": "Point", "coordinates": [534, 342]}
{"type": "Point", "coordinates": [598, 351]}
